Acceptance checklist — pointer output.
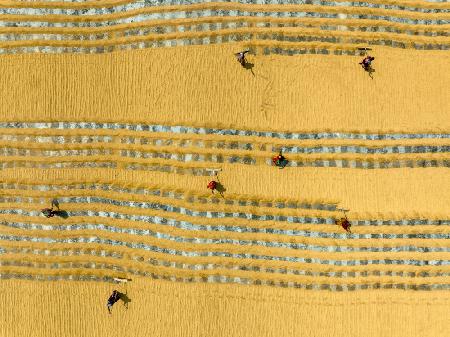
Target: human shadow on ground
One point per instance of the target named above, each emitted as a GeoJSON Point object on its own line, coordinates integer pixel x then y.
{"type": "Point", "coordinates": [283, 163]}
{"type": "Point", "coordinates": [125, 299]}
{"type": "Point", "coordinates": [370, 71]}
{"type": "Point", "coordinates": [62, 214]}
{"type": "Point", "coordinates": [220, 188]}
{"type": "Point", "coordinates": [249, 66]}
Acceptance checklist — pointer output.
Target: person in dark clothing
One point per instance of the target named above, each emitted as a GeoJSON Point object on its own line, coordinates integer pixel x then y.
{"type": "Point", "coordinates": [241, 57]}
{"type": "Point", "coordinates": [367, 62]}
{"type": "Point", "coordinates": [344, 223]}
{"type": "Point", "coordinates": [115, 296]}
{"type": "Point", "coordinates": [49, 212]}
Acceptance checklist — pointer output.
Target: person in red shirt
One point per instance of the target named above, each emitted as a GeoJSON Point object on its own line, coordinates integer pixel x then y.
{"type": "Point", "coordinates": [216, 186]}
{"type": "Point", "coordinates": [212, 185]}
{"type": "Point", "coordinates": [280, 161]}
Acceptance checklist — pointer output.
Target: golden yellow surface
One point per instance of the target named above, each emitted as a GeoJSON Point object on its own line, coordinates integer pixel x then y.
{"type": "Point", "coordinates": [205, 86]}
{"type": "Point", "coordinates": [174, 309]}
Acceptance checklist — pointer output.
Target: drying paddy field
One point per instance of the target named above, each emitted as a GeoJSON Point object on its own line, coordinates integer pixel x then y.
{"type": "Point", "coordinates": [120, 110]}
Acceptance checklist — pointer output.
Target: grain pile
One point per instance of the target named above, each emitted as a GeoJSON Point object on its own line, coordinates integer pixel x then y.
{"type": "Point", "coordinates": [120, 110]}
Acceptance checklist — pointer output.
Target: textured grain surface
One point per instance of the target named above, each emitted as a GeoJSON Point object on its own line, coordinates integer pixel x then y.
{"type": "Point", "coordinates": [400, 215]}
{"type": "Point", "coordinates": [205, 86]}
{"type": "Point", "coordinates": [171, 309]}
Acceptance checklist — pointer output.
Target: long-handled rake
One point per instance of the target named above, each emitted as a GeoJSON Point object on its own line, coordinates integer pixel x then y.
{"type": "Point", "coordinates": [365, 49]}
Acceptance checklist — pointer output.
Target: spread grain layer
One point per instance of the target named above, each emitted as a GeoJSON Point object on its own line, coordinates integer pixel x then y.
{"type": "Point", "coordinates": [122, 110]}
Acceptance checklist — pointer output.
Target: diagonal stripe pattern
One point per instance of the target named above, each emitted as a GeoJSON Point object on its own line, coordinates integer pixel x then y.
{"type": "Point", "coordinates": [182, 236]}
